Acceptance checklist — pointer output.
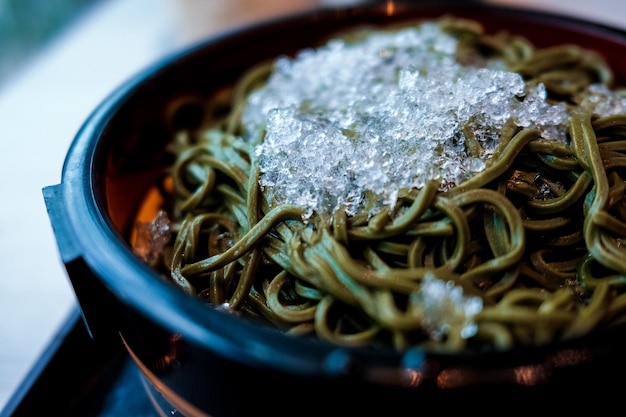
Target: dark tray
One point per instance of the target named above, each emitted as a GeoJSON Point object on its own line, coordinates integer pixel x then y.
{"type": "Point", "coordinates": [73, 377]}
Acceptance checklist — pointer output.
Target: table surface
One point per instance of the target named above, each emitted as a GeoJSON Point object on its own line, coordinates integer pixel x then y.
{"type": "Point", "coordinates": [43, 106]}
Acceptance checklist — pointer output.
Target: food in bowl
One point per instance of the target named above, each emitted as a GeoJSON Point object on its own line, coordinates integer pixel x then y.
{"type": "Point", "coordinates": [428, 184]}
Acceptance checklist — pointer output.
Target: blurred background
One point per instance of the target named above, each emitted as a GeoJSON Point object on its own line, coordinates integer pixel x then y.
{"type": "Point", "coordinates": [58, 60]}
{"type": "Point", "coordinates": [28, 25]}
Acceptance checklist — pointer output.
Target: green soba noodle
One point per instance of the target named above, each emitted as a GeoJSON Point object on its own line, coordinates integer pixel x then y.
{"type": "Point", "coordinates": [536, 235]}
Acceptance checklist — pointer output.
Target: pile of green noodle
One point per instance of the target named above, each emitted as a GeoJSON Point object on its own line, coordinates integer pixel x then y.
{"type": "Point", "coordinates": [537, 235]}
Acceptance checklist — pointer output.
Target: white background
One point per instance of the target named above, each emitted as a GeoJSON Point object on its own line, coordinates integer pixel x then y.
{"type": "Point", "coordinates": [42, 107]}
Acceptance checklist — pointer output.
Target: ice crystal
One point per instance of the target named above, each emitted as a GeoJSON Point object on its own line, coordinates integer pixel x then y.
{"type": "Point", "coordinates": [445, 305]}
{"type": "Point", "coordinates": [152, 238]}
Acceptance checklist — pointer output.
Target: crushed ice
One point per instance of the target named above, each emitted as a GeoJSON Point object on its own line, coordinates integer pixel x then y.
{"type": "Point", "coordinates": [370, 118]}
{"type": "Point", "coordinates": [445, 305]}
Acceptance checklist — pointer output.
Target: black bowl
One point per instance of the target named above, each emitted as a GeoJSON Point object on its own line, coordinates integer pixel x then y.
{"type": "Point", "coordinates": [199, 361]}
